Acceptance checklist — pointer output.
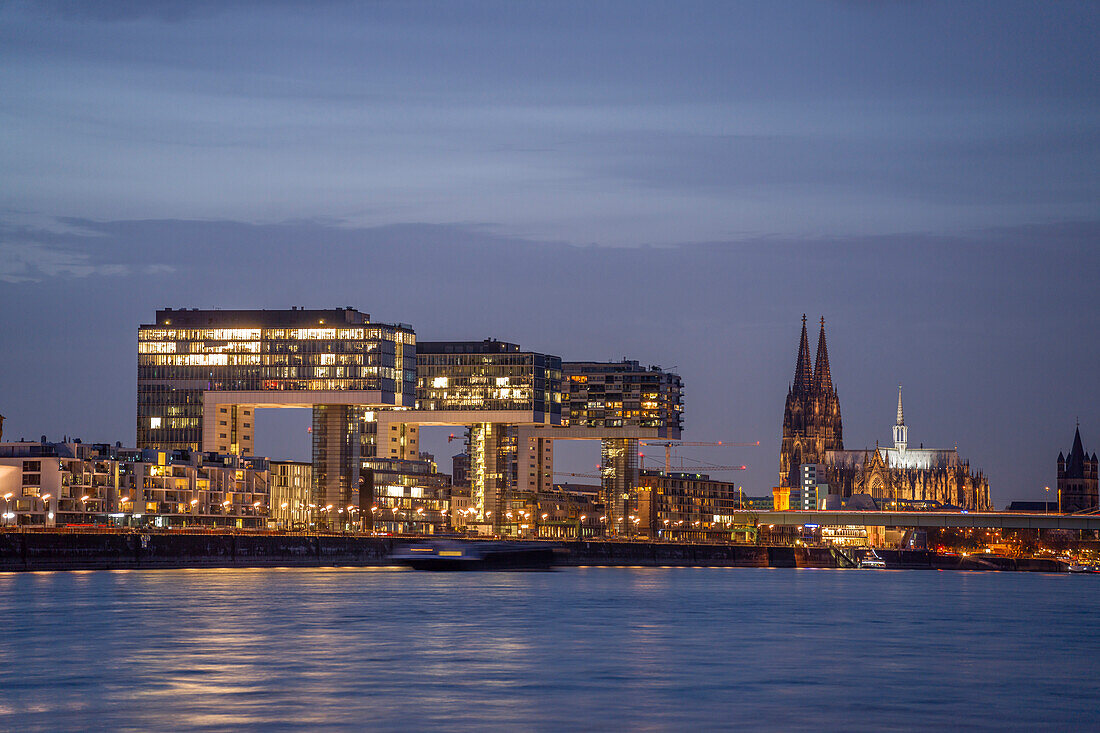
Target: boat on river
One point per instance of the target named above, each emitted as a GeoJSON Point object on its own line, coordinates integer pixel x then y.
{"type": "Point", "coordinates": [872, 562]}
{"type": "Point", "coordinates": [474, 555]}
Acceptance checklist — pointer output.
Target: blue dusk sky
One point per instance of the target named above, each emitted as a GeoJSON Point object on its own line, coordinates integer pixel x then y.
{"type": "Point", "coordinates": [671, 182]}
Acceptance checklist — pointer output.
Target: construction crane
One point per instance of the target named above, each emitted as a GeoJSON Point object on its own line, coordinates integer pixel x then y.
{"type": "Point", "coordinates": [669, 443]}
{"type": "Point", "coordinates": [584, 475]}
{"type": "Point", "coordinates": [707, 469]}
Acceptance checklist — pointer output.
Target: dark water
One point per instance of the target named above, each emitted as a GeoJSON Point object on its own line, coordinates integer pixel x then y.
{"type": "Point", "coordinates": [578, 649]}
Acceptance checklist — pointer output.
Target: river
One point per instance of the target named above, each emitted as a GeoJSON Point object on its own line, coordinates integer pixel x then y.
{"type": "Point", "coordinates": [573, 649]}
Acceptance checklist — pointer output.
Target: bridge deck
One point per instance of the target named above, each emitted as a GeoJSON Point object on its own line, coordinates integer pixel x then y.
{"type": "Point", "coordinates": [983, 520]}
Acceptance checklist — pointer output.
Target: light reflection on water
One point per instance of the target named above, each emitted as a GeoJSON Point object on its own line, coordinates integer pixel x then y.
{"type": "Point", "coordinates": [585, 648]}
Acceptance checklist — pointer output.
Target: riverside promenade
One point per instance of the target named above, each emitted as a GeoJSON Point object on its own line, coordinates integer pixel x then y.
{"type": "Point", "coordinates": [105, 550]}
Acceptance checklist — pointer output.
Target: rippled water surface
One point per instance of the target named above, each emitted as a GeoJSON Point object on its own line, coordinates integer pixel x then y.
{"type": "Point", "coordinates": [584, 648]}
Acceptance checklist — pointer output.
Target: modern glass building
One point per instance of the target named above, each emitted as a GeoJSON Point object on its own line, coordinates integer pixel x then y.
{"type": "Point", "coordinates": [622, 394]}
{"type": "Point", "coordinates": [493, 388]}
{"type": "Point", "coordinates": [621, 401]}
{"type": "Point", "coordinates": [488, 375]}
{"type": "Point", "coordinates": [203, 373]}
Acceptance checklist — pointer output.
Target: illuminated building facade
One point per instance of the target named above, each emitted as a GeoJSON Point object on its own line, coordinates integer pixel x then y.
{"type": "Point", "coordinates": [291, 494]}
{"type": "Point", "coordinates": [75, 483]}
{"type": "Point", "coordinates": [1077, 478]}
{"type": "Point", "coordinates": [904, 476]}
{"type": "Point", "coordinates": [684, 506]}
{"type": "Point", "coordinates": [811, 417]}
{"type": "Point", "coordinates": [56, 483]}
{"type": "Point", "coordinates": [202, 374]}
{"type": "Point", "coordinates": [621, 394]}
{"type": "Point", "coordinates": [570, 512]}
{"type": "Point", "coordinates": [493, 389]}
{"type": "Point", "coordinates": [811, 487]}
{"type": "Point", "coordinates": [621, 402]}
{"type": "Point", "coordinates": [409, 495]}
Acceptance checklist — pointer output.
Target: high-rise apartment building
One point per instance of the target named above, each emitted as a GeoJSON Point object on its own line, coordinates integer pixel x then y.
{"type": "Point", "coordinates": [622, 394]}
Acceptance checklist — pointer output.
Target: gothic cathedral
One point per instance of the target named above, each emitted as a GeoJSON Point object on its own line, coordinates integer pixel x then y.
{"type": "Point", "coordinates": [902, 475]}
{"type": "Point", "coordinates": [811, 419]}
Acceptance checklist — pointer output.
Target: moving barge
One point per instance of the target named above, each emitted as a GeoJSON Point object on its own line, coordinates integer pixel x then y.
{"type": "Point", "coordinates": [475, 555]}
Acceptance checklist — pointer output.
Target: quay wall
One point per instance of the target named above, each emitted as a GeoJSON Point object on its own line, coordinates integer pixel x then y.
{"type": "Point", "coordinates": [109, 550]}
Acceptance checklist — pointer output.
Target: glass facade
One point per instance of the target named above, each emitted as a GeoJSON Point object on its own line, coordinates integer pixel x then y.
{"type": "Point", "coordinates": [291, 485]}
{"type": "Point", "coordinates": [487, 375]}
{"type": "Point", "coordinates": [188, 352]}
{"type": "Point", "coordinates": [622, 394]}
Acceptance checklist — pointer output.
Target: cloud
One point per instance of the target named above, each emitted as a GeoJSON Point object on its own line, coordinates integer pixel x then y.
{"type": "Point", "coordinates": [114, 11]}
{"type": "Point", "coordinates": [29, 261]}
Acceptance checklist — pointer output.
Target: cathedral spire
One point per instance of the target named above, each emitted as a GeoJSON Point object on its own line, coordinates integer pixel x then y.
{"type": "Point", "coordinates": [823, 378]}
{"type": "Point", "coordinates": [901, 432]}
{"type": "Point", "coordinates": [803, 376]}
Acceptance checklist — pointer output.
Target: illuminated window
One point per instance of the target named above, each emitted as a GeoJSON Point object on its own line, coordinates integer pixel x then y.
{"type": "Point", "coordinates": [154, 423]}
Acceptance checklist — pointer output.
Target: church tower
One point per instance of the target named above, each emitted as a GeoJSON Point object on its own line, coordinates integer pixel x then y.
{"type": "Point", "coordinates": [811, 417]}
{"type": "Point", "coordinates": [1078, 481]}
{"type": "Point", "coordinates": [901, 433]}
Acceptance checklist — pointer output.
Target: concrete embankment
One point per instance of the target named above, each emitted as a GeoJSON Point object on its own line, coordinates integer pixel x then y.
{"type": "Point", "coordinates": [107, 550]}
{"type": "Point", "coordinates": [654, 554]}
{"type": "Point", "coordinates": [928, 560]}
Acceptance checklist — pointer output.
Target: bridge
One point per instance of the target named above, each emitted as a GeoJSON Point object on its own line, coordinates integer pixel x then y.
{"type": "Point", "coordinates": [977, 520]}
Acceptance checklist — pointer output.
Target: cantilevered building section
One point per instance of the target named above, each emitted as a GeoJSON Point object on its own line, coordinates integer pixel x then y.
{"type": "Point", "coordinates": [203, 373]}
{"type": "Point", "coordinates": [622, 394]}
{"type": "Point", "coordinates": [618, 403]}
{"type": "Point", "coordinates": [493, 389]}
